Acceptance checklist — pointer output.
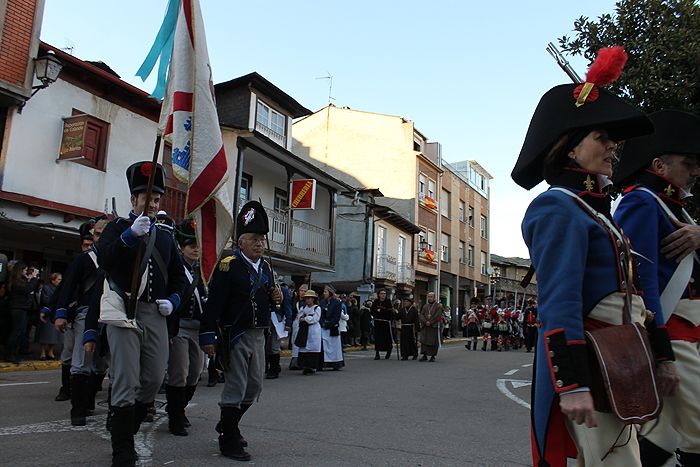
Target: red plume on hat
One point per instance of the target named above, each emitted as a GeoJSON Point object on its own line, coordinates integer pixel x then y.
{"type": "Point", "coordinates": [606, 68]}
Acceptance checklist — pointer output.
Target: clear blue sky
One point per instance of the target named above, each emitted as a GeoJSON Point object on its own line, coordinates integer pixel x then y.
{"type": "Point", "coordinates": [469, 74]}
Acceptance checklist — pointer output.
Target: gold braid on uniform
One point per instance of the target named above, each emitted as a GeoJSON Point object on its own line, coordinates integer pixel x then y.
{"type": "Point", "coordinates": [224, 263]}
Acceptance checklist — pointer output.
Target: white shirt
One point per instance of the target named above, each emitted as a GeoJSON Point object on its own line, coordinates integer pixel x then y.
{"type": "Point", "coordinates": [256, 264]}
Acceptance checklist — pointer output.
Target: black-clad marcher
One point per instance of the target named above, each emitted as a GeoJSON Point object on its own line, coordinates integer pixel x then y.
{"type": "Point", "coordinates": [186, 358]}
{"type": "Point", "coordinates": [71, 307]}
{"type": "Point", "coordinates": [86, 243]}
{"type": "Point", "coordinates": [242, 295]}
{"type": "Point", "coordinates": [138, 343]}
{"type": "Point", "coordinates": [383, 313]}
{"type": "Point", "coordinates": [408, 314]}
{"type": "Point", "coordinates": [365, 323]}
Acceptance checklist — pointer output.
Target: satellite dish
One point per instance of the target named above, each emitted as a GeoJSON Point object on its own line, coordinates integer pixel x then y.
{"type": "Point", "coordinates": [489, 270]}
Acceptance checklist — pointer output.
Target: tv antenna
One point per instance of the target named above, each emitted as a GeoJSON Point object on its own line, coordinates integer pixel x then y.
{"type": "Point", "coordinates": [329, 77]}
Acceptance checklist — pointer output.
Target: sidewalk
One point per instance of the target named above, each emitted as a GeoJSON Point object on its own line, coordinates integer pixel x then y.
{"type": "Point", "coordinates": [30, 365]}
{"type": "Point", "coordinates": [35, 365]}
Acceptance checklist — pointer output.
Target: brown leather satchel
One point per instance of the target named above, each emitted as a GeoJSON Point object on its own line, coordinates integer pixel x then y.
{"type": "Point", "coordinates": [624, 380]}
{"type": "Point", "coordinates": [623, 366]}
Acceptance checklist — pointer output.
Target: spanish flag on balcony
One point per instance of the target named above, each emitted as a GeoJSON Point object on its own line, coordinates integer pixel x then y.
{"type": "Point", "coordinates": [429, 202]}
{"type": "Point", "coordinates": [429, 255]}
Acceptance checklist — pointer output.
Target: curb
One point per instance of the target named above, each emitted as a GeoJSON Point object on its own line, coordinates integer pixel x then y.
{"type": "Point", "coordinates": [30, 365]}
{"type": "Point", "coordinates": [38, 365]}
{"type": "Point", "coordinates": [370, 348]}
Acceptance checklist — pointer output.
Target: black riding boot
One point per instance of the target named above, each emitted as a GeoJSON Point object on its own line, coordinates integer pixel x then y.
{"type": "Point", "coordinates": [64, 392]}
{"type": "Point", "coordinates": [140, 414]}
{"type": "Point", "coordinates": [376, 355]}
{"type": "Point", "coordinates": [189, 394]}
{"type": "Point", "coordinates": [78, 399]}
{"type": "Point", "coordinates": [652, 455]}
{"type": "Point", "coordinates": [213, 375]}
{"type": "Point", "coordinates": [110, 410]}
{"type": "Point", "coordinates": [274, 371]}
{"type": "Point", "coordinates": [388, 354]}
{"type": "Point", "coordinates": [687, 459]}
{"type": "Point", "coordinates": [123, 452]}
{"type": "Point", "coordinates": [177, 400]}
{"type": "Point", "coordinates": [230, 436]}
{"type": "Point", "coordinates": [93, 385]}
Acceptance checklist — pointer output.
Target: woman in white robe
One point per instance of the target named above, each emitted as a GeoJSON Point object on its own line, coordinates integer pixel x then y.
{"type": "Point", "coordinates": [310, 352]}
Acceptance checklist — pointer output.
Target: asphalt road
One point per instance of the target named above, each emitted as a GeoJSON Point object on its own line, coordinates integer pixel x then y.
{"type": "Point", "coordinates": [468, 409]}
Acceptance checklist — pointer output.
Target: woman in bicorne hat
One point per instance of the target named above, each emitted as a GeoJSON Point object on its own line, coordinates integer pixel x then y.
{"type": "Point", "coordinates": [571, 143]}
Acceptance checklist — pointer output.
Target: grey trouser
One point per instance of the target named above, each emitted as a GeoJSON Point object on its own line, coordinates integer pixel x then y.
{"type": "Point", "coordinates": [68, 342]}
{"type": "Point", "coordinates": [81, 362]}
{"type": "Point", "coordinates": [139, 357]}
{"type": "Point", "coordinates": [246, 367]}
{"type": "Point", "coordinates": [186, 358]}
{"type": "Point", "coordinates": [272, 342]}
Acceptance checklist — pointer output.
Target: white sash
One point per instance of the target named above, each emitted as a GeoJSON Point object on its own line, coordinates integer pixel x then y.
{"type": "Point", "coordinates": [196, 291]}
{"type": "Point", "coordinates": [673, 291]}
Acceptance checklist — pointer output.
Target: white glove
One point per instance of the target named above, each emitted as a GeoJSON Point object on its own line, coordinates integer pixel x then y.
{"type": "Point", "coordinates": [141, 226]}
{"type": "Point", "coordinates": [165, 307]}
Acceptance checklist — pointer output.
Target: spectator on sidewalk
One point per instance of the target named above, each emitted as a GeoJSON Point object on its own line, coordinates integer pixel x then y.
{"type": "Point", "coordinates": [21, 285]}
{"type": "Point", "coordinates": [365, 323]}
{"type": "Point", "coordinates": [48, 334]}
{"type": "Point", "coordinates": [354, 327]}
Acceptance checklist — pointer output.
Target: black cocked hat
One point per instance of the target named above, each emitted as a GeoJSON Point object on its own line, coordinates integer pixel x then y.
{"type": "Point", "coordinates": [252, 218]}
{"type": "Point", "coordinates": [86, 230]}
{"type": "Point", "coordinates": [675, 132]}
{"type": "Point", "coordinates": [185, 233]}
{"type": "Point", "coordinates": [137, 175]}
{"type": "Point", "coordinates": [570, 107]}
{"type": "Point", "coordinates": [165, 220]}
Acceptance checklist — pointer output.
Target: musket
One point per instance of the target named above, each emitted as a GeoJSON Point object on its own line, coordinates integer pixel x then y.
{"type": "Point", "coordinates": [272, 269]}
{"type": "Point", "coordinates": [563, 63]}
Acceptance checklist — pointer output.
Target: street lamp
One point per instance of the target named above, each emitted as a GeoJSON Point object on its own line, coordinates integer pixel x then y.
{"type": "Point", "coordinates": [46, 69]}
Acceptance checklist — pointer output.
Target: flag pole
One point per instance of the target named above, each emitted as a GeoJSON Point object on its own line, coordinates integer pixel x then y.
{"type": "Point", "coordinates": [133, 298]}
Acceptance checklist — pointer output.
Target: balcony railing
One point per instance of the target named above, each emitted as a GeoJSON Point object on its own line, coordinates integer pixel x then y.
{"type": "Point", "coordinates": [307, 242]}
{"type": "Point", "coordinates": [270, 133]}
{"type": "Point", "coordinates": [386, 267]}
{"type": "Point", "coordinates": [407, 274]}
{"type": "Point", "coordinates": [278, 230]}
{"type": "Point", "coordinates": [310, 241]}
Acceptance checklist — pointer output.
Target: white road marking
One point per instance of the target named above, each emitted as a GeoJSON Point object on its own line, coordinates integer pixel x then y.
{"type": "Point", "coordinates": [511, 372]}
{"type": "Point", "coordinates": [520, 384]}
{"type": "Point", "coordinates": [144, 441]}
{"type": "Point", "coordinates": [23, 384]}
{"type": "Point", "coordinates": [527, 365]}
{"type": "Point", "coordinates": [501, 385]}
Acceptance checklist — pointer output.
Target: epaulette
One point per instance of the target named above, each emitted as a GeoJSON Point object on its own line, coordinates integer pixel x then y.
{"type": "Point", "coordinates": [224, 263]}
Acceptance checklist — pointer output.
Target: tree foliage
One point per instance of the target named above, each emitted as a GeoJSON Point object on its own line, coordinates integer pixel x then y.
{"type": "Point", "coordinates": [662, 39]}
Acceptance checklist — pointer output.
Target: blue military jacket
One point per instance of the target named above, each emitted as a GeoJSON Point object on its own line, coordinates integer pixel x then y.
{"type": "Point", "coordinates": [239, 299]}
{"type": "Point", "coordinates": [578, 264]}
{"type": "Point", "coordinates": [646, 223]}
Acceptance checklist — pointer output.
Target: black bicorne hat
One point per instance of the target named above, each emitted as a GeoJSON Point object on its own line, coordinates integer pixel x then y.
{"type": "Point", "coordinates": [185, 233]}
{"type": "Point", "coordinates": [137, 175]}
{"type": "Point", "coordinates": [252, 219]}
{"type": "Point", "coordinates": [675, 132]}
{"type": "Point", "coordinates": [570, 107]}
{"type": "Point", "coordinates": [85, 230]}
{"type": "Point", "coordinates": [164, 218]}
